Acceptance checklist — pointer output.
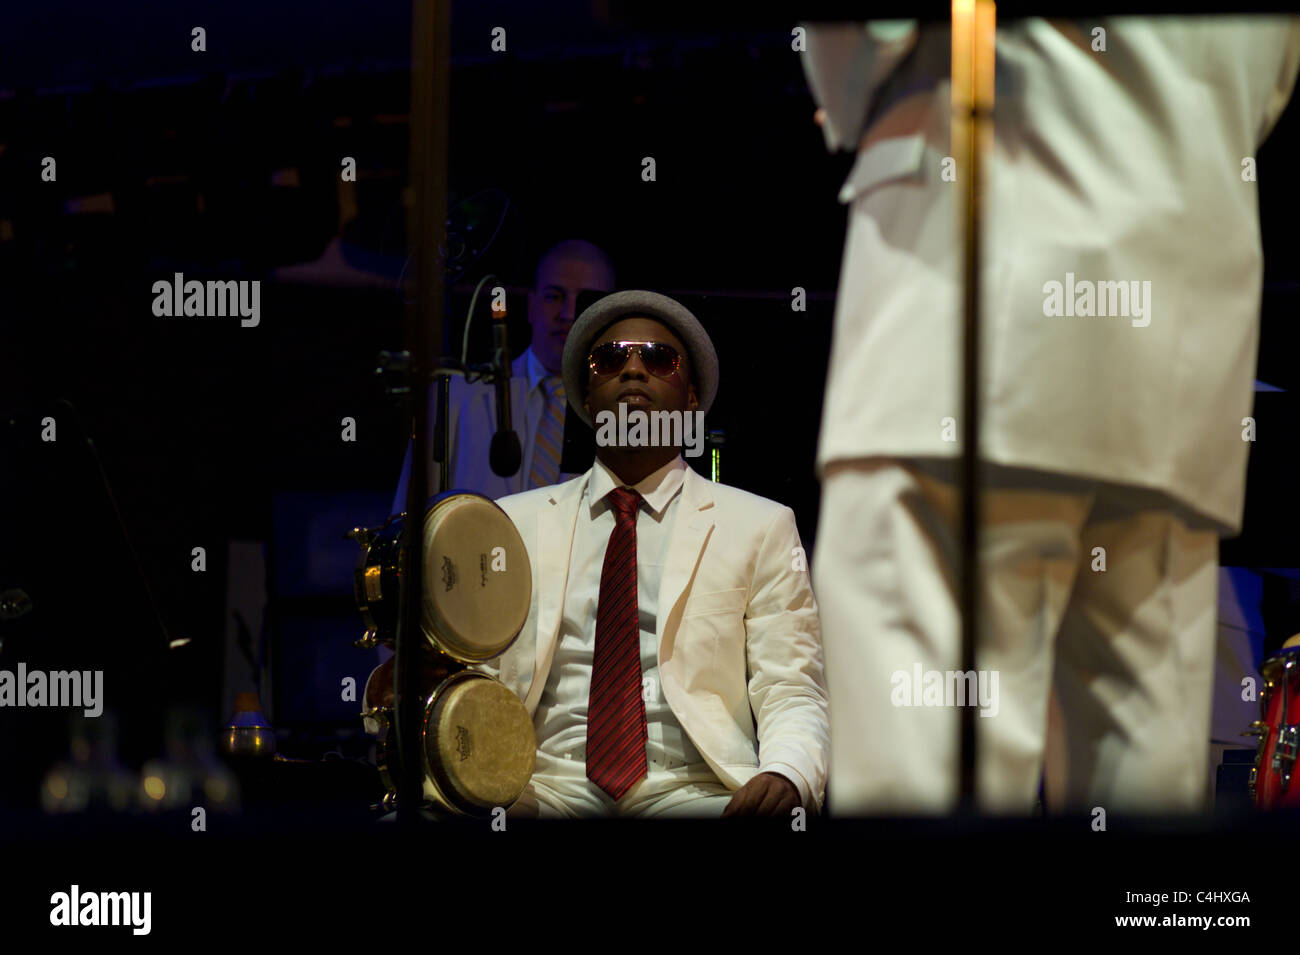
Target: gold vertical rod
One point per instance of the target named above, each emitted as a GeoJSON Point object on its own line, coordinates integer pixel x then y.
{"type": "Point", "coordinates": [426, 235]}
{"type": "Point", "coordinates": [974, 24]}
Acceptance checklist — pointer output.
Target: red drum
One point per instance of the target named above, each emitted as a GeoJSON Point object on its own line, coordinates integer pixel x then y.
{"type": "Point", "coordinates": [1271, 782]}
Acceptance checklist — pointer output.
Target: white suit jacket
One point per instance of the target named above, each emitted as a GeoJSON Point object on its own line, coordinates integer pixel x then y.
{"type": "Point", "coordinates": [471, 423]}
{"type": "Point", "coordinates": [740, 653]}
{"type": "Point", "coordinates": [1122, 165]}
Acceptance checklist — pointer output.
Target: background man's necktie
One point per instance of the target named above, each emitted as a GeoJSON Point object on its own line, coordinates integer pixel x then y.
{"type": "Point", "coordinates": [616, 733]}
{"type": "Point", "coordinates": [550, 436]}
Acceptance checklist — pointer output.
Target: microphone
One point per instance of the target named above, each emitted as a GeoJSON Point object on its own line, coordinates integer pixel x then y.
{"type": "Point", "coordinates": [503, 455]}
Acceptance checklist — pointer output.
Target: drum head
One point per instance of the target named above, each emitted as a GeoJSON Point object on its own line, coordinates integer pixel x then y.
{"type": "Point", "coordinates": [479, 743]}
{"type": "Point", "coordinates": [477, 580]}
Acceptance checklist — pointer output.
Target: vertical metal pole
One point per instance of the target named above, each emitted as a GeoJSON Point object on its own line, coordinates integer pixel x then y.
{"type": "Point", "coordinates": [426, 227]}
{"type": "Point", "coordinates": [974, 24]}
{"type": "Point", "coordinates": [443, 453]}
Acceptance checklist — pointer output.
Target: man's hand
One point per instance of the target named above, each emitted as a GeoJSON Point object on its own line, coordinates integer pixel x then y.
{"type": "Point", "coordinates": [767, 794]}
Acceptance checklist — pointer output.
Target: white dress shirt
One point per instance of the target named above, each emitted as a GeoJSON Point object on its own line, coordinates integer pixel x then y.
{"type": "Point", "coordinates": [561, 717]}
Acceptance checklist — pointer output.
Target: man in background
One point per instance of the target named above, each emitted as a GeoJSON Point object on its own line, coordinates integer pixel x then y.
{"type": "Point", "coordinates": [537, 399]}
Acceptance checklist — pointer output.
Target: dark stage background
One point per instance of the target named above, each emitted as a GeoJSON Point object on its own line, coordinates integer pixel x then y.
{"type": "Point", "coordinates": [225, 164]}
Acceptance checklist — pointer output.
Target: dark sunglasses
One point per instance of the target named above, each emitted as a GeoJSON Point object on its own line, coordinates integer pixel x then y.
{"type": "Point", "coordinates": [660, 359]}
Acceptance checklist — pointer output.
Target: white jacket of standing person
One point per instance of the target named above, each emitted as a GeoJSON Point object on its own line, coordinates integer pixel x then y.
{"type": "Point", "coordinates": [1123, 154]}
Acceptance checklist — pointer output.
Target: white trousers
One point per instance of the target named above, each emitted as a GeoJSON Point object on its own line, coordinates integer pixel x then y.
{"type": "Point", "coordinates": [560, 789]}
{"type": "Point", "coordinates": [1106, 673]}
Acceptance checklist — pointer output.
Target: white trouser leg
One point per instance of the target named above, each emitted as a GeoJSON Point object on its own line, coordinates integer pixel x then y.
{"type": "Point", "coordinates": [885, 578]}
{"type": "Point", "coordinates": [1134, 666]}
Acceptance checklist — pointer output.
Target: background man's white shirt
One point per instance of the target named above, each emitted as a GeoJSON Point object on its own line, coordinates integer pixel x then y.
{"type": "Point", "coordinates": [471, 424]}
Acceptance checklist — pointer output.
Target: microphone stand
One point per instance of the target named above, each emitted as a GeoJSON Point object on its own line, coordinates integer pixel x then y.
{"type": "Point", "coordinates": [440, 434]}
{"type": "Point", "coordinates": [430, 95]}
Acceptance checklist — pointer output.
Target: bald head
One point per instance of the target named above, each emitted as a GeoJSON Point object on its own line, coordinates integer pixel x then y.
{"type": "Point", "coordinates": [576, 250]}
{"type": "Point", "coordinates": [566, 269]}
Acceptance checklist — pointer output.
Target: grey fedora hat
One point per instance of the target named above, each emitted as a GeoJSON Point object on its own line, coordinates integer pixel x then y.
{"type": "Point", "coordinates": [636, 302]}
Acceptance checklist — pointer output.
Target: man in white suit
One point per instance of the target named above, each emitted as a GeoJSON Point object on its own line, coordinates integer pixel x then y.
{"type": "Point", "coordinates": [536, 391]}
{"type": "Point", "coordinates": [697, 688]}
{"type": "Point", "coordinates": [1121, 284]}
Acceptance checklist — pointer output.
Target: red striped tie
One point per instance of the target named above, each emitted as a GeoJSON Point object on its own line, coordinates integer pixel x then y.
{"type": "Point", "coordinates": [616, 734]}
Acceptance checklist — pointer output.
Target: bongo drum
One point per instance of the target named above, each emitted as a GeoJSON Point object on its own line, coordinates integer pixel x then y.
{"type": "Point", "coordinates": [477, 582]}
{"type": "Point", "coordinates": [477, 744]}
{"type": "Point", "coordinates": [477, 740]}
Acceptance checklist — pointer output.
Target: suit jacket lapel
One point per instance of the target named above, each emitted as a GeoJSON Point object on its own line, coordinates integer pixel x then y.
{"type": "Point", "coordinates": [690, 531]}
{"type": "Point", "coordinates": [556, 522]}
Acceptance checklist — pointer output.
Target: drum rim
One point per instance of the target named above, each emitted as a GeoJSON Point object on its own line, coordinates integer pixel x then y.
{"type": "Point", "coordinates": [373, 557]}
